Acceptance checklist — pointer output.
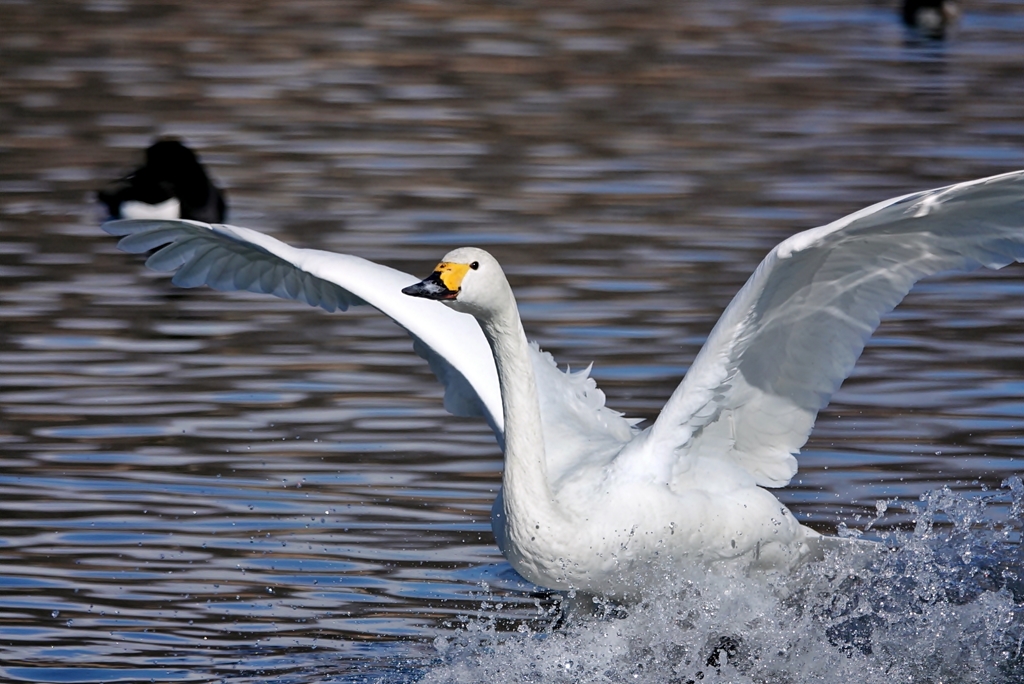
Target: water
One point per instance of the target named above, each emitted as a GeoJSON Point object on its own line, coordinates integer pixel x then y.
{"type": "Point", "coordinates": [206, 487]}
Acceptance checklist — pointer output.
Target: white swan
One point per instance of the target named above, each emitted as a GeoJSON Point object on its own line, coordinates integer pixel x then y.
{"type": "Point", "coordinates": [588, 501]}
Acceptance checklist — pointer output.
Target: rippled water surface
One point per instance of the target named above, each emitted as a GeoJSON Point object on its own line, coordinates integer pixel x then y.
{"type": "Point", "coordinates": [198, 486]}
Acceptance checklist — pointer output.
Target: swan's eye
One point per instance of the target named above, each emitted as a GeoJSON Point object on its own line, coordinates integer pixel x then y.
{"type": "Point", "coordinates": [475, 265]}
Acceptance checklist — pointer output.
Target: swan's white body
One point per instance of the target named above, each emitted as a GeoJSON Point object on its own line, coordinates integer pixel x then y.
{"type": "Point", "coordinates": [588, 501]}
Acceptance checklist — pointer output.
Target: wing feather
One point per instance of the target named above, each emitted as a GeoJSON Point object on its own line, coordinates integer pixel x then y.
{"type": "Point", "coordinates": [234, 258]}
{"type": "Point", "coordinates": [794, 331]}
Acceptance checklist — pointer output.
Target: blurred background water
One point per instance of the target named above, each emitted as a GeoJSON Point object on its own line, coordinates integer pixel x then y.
{"type": "Point", "coordinates": [205, 487]}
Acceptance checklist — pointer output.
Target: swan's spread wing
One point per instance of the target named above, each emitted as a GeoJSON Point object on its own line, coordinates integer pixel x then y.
{"type": "Point", "coordinates": [794, 331]}
{"type": "Point", "coordinates": [234, 258]}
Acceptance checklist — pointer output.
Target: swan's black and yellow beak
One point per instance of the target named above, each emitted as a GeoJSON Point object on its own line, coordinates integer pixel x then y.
{"type": "Point", "coordinates": [444, 283]}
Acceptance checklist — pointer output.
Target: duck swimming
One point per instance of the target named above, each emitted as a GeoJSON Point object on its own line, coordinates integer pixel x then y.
{"type": "Point", "coordinates": [589, 501]}
{"type": "Point", "coordinates": [171, 184]}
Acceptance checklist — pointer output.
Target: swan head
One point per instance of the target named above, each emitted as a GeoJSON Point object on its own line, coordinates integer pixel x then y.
{"type": "Point", "coordinates": [468, 280]}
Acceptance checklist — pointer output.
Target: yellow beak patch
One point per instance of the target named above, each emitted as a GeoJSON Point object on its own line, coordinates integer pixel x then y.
{"type": "Point", "coordinates": [451, 274]}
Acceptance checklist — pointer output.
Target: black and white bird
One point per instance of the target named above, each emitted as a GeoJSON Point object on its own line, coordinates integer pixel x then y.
{"type": "Point", "coordinates": [929, 18]}
{"type": "Point", "coordinates": [172, 184]}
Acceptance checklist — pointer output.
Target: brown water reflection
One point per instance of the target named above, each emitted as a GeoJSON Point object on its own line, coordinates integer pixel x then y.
{"type": "Point", "coordinates": [198, 485]}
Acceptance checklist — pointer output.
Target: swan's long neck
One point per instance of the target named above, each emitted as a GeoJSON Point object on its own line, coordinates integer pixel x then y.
{"type": "Point", "coordinates": [528, 501]}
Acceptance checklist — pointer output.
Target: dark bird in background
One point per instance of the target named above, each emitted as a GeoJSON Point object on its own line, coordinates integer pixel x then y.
{"type": "Point", "coordinates": [171, 184]}
{"type": "Point", "coordinates": [930, 18]}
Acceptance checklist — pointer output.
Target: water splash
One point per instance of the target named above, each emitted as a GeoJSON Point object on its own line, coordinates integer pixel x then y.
{"type": "Point", "coordinates": [941, 602]}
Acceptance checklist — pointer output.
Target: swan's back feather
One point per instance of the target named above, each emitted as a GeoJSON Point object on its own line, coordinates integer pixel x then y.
{"type": "Point", "coordinates": [235, 258]}
{"type": "Point", "coordinates": [579, 430]}
{"type": "Point", "coordinates": [794, 331]}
